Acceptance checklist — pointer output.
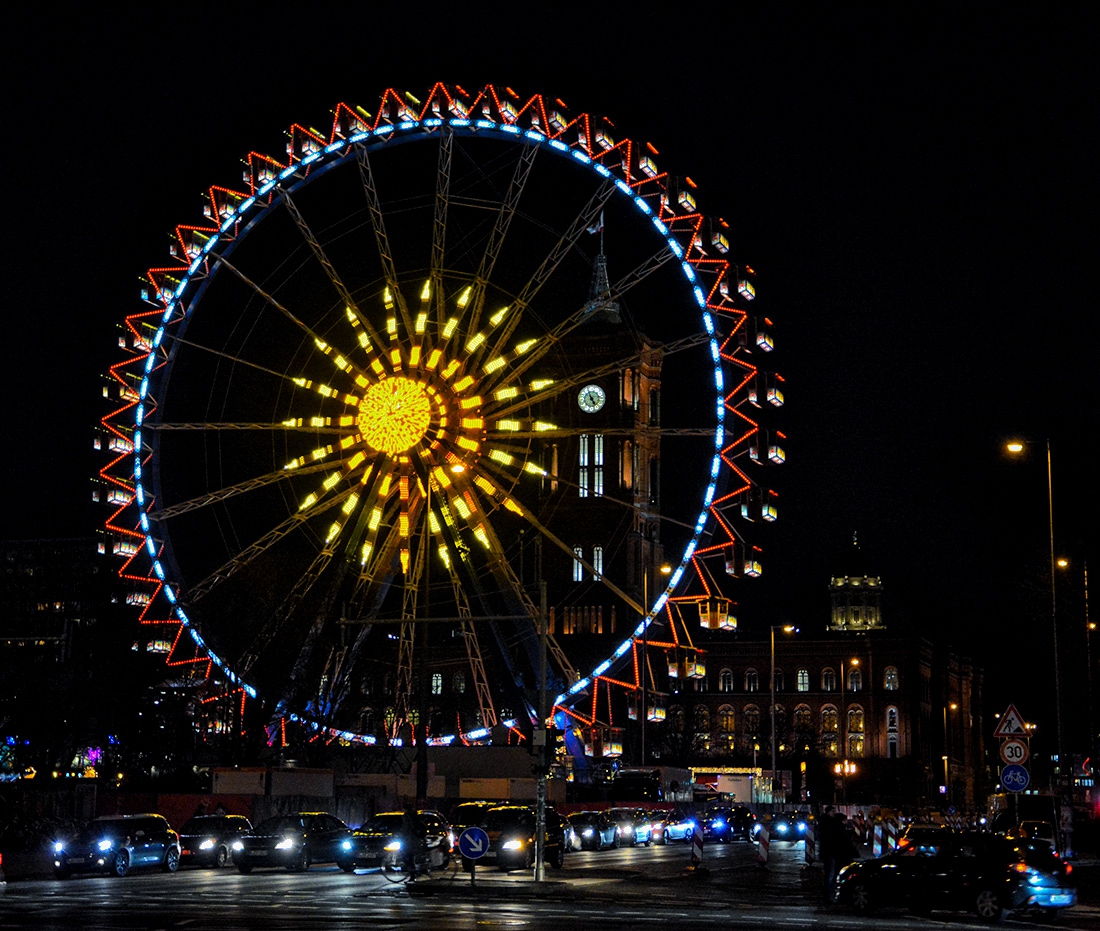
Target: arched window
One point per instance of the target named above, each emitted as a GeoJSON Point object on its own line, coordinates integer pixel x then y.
{"type": "Point", "coordinates": [779, 680]}
{"type": "Point", "coordinates": [855, 732]}
{"type": "Point", "coordinates": [460, 683]}
{"type": "Point", "coordinates": [803, 680]}
{"type": "Point", "coordinates": [752, 680]}
{"type": "Point", "coordinates": [828, 679]}
{"type": "Point", "coordinates": [578, 566]}
{"type": "Point", "coordinates": [751, 718]}
{"type": "Point", "coordinates": [781, 729]}
{"type": "Point", "coordinates": [892, 732]}
{"type": "Point", "coordinates": [830, 728]}
{"type": "Point", "coordinates": [803, 718]}
{"type": "Point", "coordinates": [890, 679]}
{"type": "Point", "coordinates": [437, 683]}
{"type": "Point", "coordinates": [701, 727]}
{"type": "Point", "coordinates": [725, 680]}
{"type": "Point", "coordinates": [727, 732]}
{"type": "Point", "coordinates": [855, 680]}
{"type": "Point", "coordinates": [677, 719]}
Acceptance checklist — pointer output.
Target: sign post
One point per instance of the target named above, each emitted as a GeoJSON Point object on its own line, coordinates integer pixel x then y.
{"type": "Point", "coordinates": [473, 844]}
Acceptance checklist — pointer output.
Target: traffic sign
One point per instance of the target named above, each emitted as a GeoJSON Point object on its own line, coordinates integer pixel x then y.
{"type": "Point", "coordinates": [1011, 724]}
{"type": "Point", "coordinates": [473, 843]}
{"type": "Point", "coordinates": [1015, 778]}
{"type": "Point", "coordinates": [1014, 751]}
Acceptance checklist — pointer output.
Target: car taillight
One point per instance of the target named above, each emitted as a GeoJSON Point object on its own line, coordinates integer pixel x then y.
{"type": "Point", "coordinates": [1020, 867]}
{"type": "Point", "coordinates": [1069, 868]}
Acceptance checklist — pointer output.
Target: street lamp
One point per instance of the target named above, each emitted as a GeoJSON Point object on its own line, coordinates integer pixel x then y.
{"type": "Point", "coordinates": [1017, 447]}
{"type": "Point", "coordinates": [843, 771]}
{"type": "Point", "coordinates": [953, 706]}
{"type": "Point", "coordinates": [787, 629]}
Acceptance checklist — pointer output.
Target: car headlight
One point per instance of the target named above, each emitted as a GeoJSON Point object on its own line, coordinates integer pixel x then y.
{"type": "Point", "coordinates": [346, 845]}
{"type": "Point", "coordinates": [644, 827]}
{"type": "Point", "coordinates": [238, 845]}
{"type": "Point", "coordinates": [393, 846]}
{"type": "Point", "coordinates": [207, 844]}
{"type": "Point", "coordinates": [286, 843]}
{"type": "Point", "coordinates": [512, 845]}
{"type": "Point", "coordinates": [58, 847]}
{"type": "Point", "coordinates": [587, 832]}
{"type": "Point", "coordinates": [105, 844]}
{"type": "Point", "coordinates": [718, 823]}
{"type": "Point", "coordinates": [627, 829]}
{"type": "Point", "coordinates": [781, 828]}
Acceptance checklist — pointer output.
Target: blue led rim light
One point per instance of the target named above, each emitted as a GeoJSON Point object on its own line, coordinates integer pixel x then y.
{"type": "Point", "coordinates": [338, 150]}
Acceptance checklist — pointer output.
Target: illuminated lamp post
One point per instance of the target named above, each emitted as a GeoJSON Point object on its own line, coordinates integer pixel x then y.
{"type": "Point", "coordinates": [787, 629]}
{"type": "Point", "coordinates": [843, 771]}
{"type": "Point", "coordinates": [1017, 447]}
{"type": "Point", "coordinates": [953, 706]}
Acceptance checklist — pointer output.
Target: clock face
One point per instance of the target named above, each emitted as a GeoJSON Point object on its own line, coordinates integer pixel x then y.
{"type": "Point", "coordinates": [591, 398]}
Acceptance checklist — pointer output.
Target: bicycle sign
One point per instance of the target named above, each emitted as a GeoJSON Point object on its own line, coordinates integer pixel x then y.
{"type": "Point", "coordinates": [1015, 777]}
{"type": "Point", "coordinates": [1014, 751]}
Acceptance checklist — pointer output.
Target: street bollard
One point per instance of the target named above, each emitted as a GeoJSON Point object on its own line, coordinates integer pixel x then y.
{"type": "Point", "coordinates": [810, 842]}
{"type": "Point", "coordinates": [696, 846]}
{"type": "Point", "coordinates": [762, 841]}
{"type": "Point", "coordinates": [876, 843]}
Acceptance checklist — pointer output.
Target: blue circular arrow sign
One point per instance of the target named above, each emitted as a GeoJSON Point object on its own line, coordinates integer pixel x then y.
{"type": "Point", "coordinates": [473, 843]}
{"type": "Point", "coordinates": [1015, 777]}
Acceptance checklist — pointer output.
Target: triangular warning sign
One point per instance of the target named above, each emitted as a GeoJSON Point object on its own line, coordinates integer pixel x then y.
{"type": "Point", "coordinates": [1011, 724]}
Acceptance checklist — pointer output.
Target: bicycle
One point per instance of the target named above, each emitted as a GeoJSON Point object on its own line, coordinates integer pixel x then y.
{"type": "Point", "coordinates": [395, 866]}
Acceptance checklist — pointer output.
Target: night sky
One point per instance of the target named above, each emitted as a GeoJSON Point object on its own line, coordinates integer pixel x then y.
{"type": "Point", "coordinates": [916, 194]}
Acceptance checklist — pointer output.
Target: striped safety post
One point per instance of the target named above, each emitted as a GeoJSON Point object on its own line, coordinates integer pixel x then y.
{"type": "Point", "coordinates": [762, 841]}
{"type": "Point", "coordinates": [696, 845]}
{"type": "Point", "coordinates": [809, 840]}
{"type": "Point", "coordinates": [876, 843]}
{"type": "Point", "coordinates": [891, 835]}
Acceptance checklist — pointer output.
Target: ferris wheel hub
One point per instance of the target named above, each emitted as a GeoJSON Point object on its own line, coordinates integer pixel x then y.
{"type": "Point", "coordinates": [394, 415]}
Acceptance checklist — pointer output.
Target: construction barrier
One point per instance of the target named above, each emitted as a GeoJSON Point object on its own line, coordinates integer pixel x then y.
{"type": "Point", "coordinates": [809, 840]}
{"type": "Point", "coordinates": [697, 845]}
{"type": "Point", "coordinates": [885, 837]}
{"type": "Point", "coordinates": [762, 841]}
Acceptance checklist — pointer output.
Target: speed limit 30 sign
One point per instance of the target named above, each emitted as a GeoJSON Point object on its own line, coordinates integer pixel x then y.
{"type": "Point", "coordinates": [1014, 751]}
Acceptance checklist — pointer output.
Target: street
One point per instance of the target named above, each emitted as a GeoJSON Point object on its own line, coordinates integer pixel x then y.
{"type": "Point", "coordinates": [616, 888]}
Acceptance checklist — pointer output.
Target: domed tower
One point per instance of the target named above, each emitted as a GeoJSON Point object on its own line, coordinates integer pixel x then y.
{"type": "Point", "coordinates": [856, 594]}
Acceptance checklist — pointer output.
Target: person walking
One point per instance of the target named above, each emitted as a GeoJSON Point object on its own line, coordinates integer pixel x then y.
{"type": "Point", "coordinates": [832, 842]}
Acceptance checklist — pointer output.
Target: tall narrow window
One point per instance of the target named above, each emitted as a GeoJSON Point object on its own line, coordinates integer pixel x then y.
{"type": "Point", "coordinates": [890, 679]}
{"type": "Point", "coordinates": [554, 467]}
{"type": "Point", "coordinates": [803, 682]}
{"type": "Point", "coordinates": [752, 680]}
{"type": "Point", "coordinates": [578, 566]}
{"type": "Point", "coordinates": [597, 561]}
{"type": "Point", "coordinates": [626, 465]}
{"type": "Point", "coordinates": [725, 681]}
{"type": "Point", "coordinates": [437, 683]}
{"type": "Point", "coordinates": [828, 680]}
{"type": "Point", "coordinates": [597, 465]}
{"type": "Point", "coordinates": [582, 463]}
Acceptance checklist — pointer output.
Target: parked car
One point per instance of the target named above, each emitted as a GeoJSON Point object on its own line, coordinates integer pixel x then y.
{"type": "Point", "coordinates": [207, 839]}
{"type": "Point", "coordinates": [726, 824]}
{"type": "Point", "coordinates": [292, 841]}
{"type": "Point", "coordinates": [117, 844]}
{"type": "Point", "coordinates": [960, 871]}
{"type": "Point", "coordinates": [469, 815]}
{"type": "Point", "coordinates": [511, 830]}
{"type": "Point", "coordinates": [380, 840]}
{"type": "Point", "coordinates": [594, 830]}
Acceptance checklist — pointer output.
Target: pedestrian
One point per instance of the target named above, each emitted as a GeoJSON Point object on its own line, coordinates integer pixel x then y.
{"type": "Point", "coordinates": [832, 841]}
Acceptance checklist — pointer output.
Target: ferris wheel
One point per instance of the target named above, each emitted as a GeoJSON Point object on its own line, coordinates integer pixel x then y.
{"type": "Point", "coordinates": [454, 365]}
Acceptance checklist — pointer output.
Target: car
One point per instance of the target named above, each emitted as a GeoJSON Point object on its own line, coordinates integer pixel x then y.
{"type": "Point", "coordinates": [961, 871]}
{"type": "Point", "coordinates": [117, 844]}
{"type": "Point", "coordinates": [206, 840]}
{"type": "Point", "coordinates": [511, 830]}
{"type": "Point", "coordinates": [469, 815]}
{"type": "Point", "coordinates": [633, 827]}
{"type": "Point", "coordinates": [726, 824]}
{"type": "Point", "coordinates": [379, 840]}
{"type": "Point", "coordinates": [291, 841]}
{"type": "Point", "coordinates": [594, 830]}
{"type": "Point", "coordinates": [679, 826]}
{"type": "Point", "coordinates": [790, 826]}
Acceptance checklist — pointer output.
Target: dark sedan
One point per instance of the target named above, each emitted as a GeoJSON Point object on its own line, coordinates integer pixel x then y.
{"type": "Point", "coordinates": [380, 840]}
{"type": "Point", "coordinates": [207, 839]}
{"type": "Point", "coordinates": [961, 871]}
{"type": "Point", "coordinates": [291, 841]}
{"type": "Point", "coordinates": [511, 830]}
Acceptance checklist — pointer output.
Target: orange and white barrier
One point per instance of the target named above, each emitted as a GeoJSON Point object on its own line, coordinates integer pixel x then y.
{"type": "Point", "coordinates": [885, 838]}
{"type": "Point", "coordinates": [809, 839]}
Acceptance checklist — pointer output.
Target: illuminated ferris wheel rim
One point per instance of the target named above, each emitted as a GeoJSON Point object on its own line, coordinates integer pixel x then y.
{"type": "Point", "coordinates": [254, 208]}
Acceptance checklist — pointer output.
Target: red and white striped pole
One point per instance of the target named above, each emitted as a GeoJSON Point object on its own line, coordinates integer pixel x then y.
{"type": "Point", "coordinates": [810, 842]}
{"type": "Point", "coordinates": [696, 845]}
{"type": "Point", "coordinates": [762, 841]}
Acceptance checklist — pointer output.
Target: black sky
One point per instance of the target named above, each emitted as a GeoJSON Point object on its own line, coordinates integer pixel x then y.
{"type": "Point", "coordinates": [917, 193]}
